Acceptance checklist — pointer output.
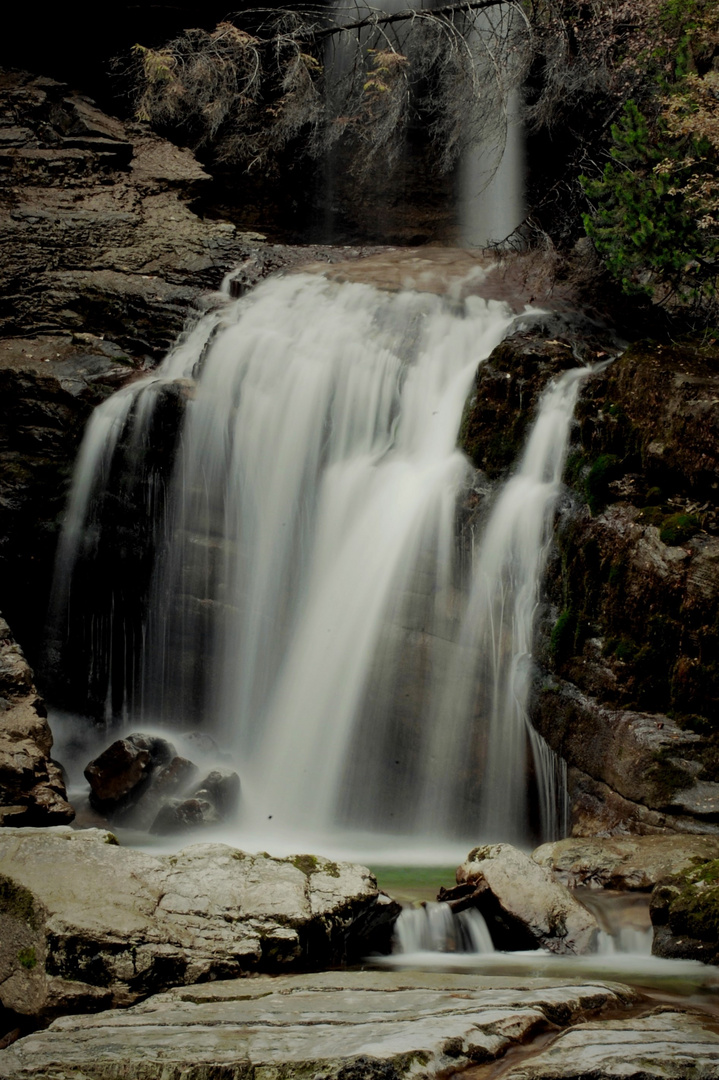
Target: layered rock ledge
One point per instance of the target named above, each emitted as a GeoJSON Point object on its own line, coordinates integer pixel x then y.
{"type": "Point", "coordinates": [361, 1025]}
{"type": "Point", "coordinates": [86, 924]}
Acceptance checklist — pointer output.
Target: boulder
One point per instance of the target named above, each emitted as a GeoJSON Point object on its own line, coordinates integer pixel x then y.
{"type": "Point", "coordinates": [522, 903]}
{"type": "Point", "coordinates": [87, 924]}
{"type": "Point", "coordinates": [123, 771]}
{"type": "Point", "coordinates": [32, 788]}
{"type": "Point", "coordinates": [632, 862]}
{"type": "Point", "coordinates": [684, 909]}
{"type": "Point", "coordinates": [222, 788]}
{"type": "Point", "coordinates": [177, 815]}
{"type": "Point", "coordinates": [347, 1025]}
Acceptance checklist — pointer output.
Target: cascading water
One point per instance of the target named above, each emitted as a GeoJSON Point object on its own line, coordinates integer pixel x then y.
{"type": "Point", "coordinates": [307, 600]}
{"type": "Point", "coordinates": [491, 669]}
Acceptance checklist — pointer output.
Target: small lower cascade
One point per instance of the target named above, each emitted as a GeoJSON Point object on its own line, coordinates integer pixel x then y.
{"type": "Point", "coordinates": [435, 928]}
{"type": "Point", "coordinates": [262, 542]}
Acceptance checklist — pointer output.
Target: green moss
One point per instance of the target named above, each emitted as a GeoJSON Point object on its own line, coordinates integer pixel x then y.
{"type": "Point", "coordinates": [562, 639]}
{"type": "Point", "coordinates": [17, 902]}
{"type": "Point", "coordinates": [694, 910]}
{"type": "Point", "coordinates": [306, 863]}
{"type": "Point", "coordinates": [621, 648]}
{"type": "Point", "coordinates": [575, 468]}
{"type": "Point", "coordinates": [112, 840]}
{"type": "Point", "coordinates": [596, 486]}
{"type": "Point", "coordinates": [652, 515]}
{"type": "Point", "coordinates": [678, 528]}
{"type": "Point", "coordinates": [331, 869]}
{"type": "Point", "coordinates": [654, 497]}
{"type": "Point", "coordinates": [27, 958]}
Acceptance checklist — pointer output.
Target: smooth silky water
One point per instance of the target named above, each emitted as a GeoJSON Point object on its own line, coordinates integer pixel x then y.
{"type": "Point", "coordinates": [362, 662]}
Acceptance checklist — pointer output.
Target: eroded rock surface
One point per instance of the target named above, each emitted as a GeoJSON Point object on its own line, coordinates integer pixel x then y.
{"type": "Point", "coordinates": [628, 686]}
{"type": "Point", "coordinates": [522, 903]}
{"type": "Point", "coordinates": [86, 924]}
{"type": "Point", "coordinates": [631, 862]}
{"type": "Point", "coordinates": [369, 1025]}
{"type": "Point", "coordinates": [667, 1044]}
{"type": "Point", "coordinates": [32, 788]}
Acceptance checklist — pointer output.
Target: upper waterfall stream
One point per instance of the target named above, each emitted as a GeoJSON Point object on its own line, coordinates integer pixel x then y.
{"type": "Point", "coordinates": [289, 572]}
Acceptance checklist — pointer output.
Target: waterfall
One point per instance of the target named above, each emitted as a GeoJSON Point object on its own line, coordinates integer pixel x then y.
{"type": "Point", "coordinates": [434, 927]}
{"type": "Point", "coordinates": [297, 585]}
{"type": "Point", "coordinates": [490, 673]}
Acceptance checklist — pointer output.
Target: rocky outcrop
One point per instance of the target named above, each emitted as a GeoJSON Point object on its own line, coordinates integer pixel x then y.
{"type": "Point", "coordinates": [522, 904]}
{"type": "Point", "coordinates": [685, 914]}
{"type": "Point", "coordinates": [86, 924]}
{"type": "Point", "coordinates": [627, 685]}
{"type": "Point", "coordinates": [32, 788]}
{"type": "Point", "coordinates": [623, 863]}
{"type": "Point", "coordinates": [339, 1025]}
{"type": "Point", "coordinates": [143, 782]}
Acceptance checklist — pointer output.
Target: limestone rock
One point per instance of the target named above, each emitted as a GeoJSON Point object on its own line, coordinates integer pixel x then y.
{"type": "Point", "coordinates": [632, 862]}
{"type": "Point", "coordinates": [524, 904]}
{"type": "Point", "coordinates": [85, 923]}
{"type": "Point", "coordinates": [32, 788]}
{"type": "Point", "coordinates": [342, 1026]}
{"type": "Point", "coordinates": [665, 1045]}
{"type": "Point", "coordinates": [685, 914]}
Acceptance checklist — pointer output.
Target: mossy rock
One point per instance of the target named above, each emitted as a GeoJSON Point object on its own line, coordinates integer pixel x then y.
{"type": "Point", "coordinates": [685, 913]}
{"type": "Point", "coordinates": [678, 528]}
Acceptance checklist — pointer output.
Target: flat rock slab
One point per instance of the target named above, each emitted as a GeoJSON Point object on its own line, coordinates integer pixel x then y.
{"type": "Point", "coordinates": [631, 862]}
{"type": "Point", "coordinates": [347, 1025]}
{"type": "Point", "coordinates": [666, 1045]}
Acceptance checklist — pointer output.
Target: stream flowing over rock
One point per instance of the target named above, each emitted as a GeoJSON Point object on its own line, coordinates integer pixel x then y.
{"type": "Point", "coordinates": [86, 924]}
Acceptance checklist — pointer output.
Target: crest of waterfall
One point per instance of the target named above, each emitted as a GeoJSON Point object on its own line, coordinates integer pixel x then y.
{"type": "Point", "coordinates": [287, 570]}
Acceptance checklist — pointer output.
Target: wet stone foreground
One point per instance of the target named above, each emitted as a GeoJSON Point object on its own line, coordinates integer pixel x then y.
{"type": "Point", "coordinates": [362, 1025]}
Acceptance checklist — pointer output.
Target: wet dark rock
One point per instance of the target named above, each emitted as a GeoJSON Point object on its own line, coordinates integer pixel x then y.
{"type": "Point", "coordinates": [32, 787]}
{"type": "Point", "coordinates": [507, 388]}
{"type": "Point", "coordinates": [178, 815]}
{"type": "Point", "coordinates": [222, 788]}
{"type": "Point", "coordinates": [685, 914]}
{"type": "Point", "coordinates": [123, 771]}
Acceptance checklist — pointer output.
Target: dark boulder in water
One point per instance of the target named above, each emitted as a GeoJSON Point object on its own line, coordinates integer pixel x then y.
{"type": "Point", "coordinates": [124, 770]}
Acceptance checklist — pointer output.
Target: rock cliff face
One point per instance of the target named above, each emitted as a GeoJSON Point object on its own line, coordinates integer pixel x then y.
{"type": "Point", "coordinates": [32, 789]}
{"type": "Point", "coordinates": [103, 262]}
{"type": "Point", "coordinates": [627, 684]}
